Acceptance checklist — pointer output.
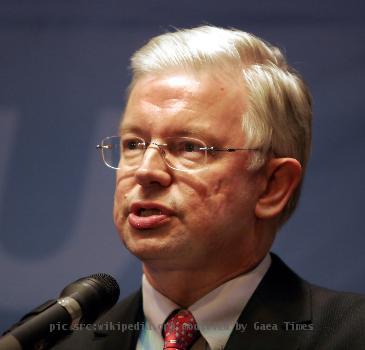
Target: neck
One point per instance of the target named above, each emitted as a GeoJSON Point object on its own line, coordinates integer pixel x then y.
{"type": "Point", "coordinates": [185, 281]}
{"type": "Point", "coordinates": [186, 286]}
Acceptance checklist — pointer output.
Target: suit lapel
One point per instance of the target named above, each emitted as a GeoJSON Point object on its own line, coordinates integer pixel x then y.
{"type": "Point", "coordinates": [280, 305]}
{"type": "Point", "coordinates": [128, 313]}
{"type": "Point", "coordinates": [276, 315]}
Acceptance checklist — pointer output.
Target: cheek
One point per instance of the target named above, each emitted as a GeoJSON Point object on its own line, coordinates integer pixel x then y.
{"type": "Point", "coordinates": [216, 197]}
{"type": "Point", "coordinates": [205, 200]}
{"type": "Point", "coordinates": [123, 186]}
{"type": "Point", "coordinates": [224, 199]}
{"type": "Point", "coordinates": [230, 200]}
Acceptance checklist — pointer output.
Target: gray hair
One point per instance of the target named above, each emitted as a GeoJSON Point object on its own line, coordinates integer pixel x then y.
{"type": "Point", "coordinates": [279, 113]}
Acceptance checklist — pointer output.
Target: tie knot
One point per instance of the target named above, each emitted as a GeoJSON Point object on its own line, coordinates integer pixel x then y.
{"type": "Point", "coordinates": [180, 330]}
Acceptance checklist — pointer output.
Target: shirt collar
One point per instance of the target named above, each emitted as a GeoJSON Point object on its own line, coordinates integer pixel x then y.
{"type": "Point", "coordinates": [216, 313]}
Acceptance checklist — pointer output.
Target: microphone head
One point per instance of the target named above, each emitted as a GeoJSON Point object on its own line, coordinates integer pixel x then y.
{"type": "Point", "coordinates": [108, 285]}
{"type": "Point", "coordinates": [96, 294]}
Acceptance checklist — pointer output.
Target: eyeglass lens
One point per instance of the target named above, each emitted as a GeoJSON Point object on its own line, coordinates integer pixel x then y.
{"type": "Point", "coordinates": [181, 153]}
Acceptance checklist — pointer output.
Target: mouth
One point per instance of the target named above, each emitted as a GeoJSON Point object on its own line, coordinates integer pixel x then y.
{"type": "Point", "coordinates": [144, 212]}
{"type": "Point", "coordinates": [148, 215]}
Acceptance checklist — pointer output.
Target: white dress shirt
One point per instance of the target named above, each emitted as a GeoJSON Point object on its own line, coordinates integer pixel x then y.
{"type": "Point", "coordinates": [216, 313]}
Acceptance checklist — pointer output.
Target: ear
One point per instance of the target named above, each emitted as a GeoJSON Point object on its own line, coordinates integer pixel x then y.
{"type": "Point", "coordinates": [282, 178]}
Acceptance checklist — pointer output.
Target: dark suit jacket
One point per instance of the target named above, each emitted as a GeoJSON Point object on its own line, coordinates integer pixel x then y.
{"type": "Point", "coordinates": [284, 313]}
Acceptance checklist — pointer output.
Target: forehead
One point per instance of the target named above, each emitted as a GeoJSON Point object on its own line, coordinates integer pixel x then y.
{"type": "Point", "coordinates": [169, 103]}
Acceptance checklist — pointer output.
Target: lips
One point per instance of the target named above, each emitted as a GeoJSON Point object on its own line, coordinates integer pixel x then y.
{"type": "Point", "coordinates": [148, 215]}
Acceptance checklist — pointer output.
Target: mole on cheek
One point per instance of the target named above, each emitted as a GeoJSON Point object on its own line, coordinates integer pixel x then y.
{"type": "Point", "coordinates": [217, 186]}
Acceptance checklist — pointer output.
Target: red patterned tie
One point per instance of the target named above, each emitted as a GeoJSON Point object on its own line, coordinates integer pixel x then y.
{"type": "Point", "coordinates": [180, 331]}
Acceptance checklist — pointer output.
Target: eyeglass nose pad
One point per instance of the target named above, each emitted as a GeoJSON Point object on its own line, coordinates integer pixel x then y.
{"type": "Point", "coordinates": [160, 148]}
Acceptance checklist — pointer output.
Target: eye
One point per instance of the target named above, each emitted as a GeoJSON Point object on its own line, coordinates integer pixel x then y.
{"type": "Point", "coordinates": [132, 143]}
{"type": "Point", "coordinates": [132, 147]}
{"type": "Point", "coordinates": [186, 149]}
{"type": "Point", "coordinates": [189, 146]}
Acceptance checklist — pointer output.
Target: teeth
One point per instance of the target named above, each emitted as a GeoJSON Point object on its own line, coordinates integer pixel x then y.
{"type": "Point", "coordinates": [149, 212]}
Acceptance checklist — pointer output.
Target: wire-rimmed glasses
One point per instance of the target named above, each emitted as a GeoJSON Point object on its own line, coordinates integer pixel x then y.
{"type": "Point", "coordinates": [179, 153]}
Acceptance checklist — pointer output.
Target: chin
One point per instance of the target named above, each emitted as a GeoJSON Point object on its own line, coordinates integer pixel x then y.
{"type": "Point", "coordinates": [140, 245]}
{"type": "Point", "coordinates": [147, 253]}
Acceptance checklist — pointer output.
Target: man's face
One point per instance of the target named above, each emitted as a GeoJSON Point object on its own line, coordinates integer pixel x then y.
{"type": "Point", "coordinates": [203, 217]}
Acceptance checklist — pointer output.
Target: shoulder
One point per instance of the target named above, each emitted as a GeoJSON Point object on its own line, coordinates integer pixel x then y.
{"type": "Point", "coordinates": [338, 319]}
{"type": "Point", "coordinates": [334, 304]}
{"type": "Point", "coordinates": [108, 328]}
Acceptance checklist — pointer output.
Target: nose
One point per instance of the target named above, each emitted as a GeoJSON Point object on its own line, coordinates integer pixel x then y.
{"type": "Point", "coordinates": [153, 169]}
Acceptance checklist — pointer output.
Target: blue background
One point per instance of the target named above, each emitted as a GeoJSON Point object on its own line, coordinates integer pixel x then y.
{"type": "Point", "coordinates": [63, 72]}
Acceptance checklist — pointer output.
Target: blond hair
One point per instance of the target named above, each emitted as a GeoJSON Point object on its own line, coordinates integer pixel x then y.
{"type": "Point", "coordinates": [278, 117]}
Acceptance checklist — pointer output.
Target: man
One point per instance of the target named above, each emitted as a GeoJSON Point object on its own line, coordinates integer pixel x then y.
{"type": "Point", "coordinates": [210, 158]}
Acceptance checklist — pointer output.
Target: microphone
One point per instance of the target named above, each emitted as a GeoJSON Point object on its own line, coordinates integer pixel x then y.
{"type": "Point", "coordinates": [80, 302]}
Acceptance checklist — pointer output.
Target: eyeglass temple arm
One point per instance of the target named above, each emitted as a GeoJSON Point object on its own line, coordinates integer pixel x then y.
{"type": "Point", "coordinates": [213, 149]}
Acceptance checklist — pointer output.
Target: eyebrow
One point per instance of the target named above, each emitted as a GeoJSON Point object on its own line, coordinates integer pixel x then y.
{"type": "Point", "coordinates": [130, 129]}
{"type": "Point", "coordinates": [193, 131]}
